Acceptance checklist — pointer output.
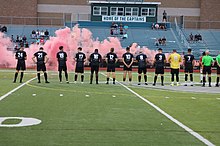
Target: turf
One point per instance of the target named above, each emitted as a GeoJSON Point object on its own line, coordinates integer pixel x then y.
{"type": "Point", "coordinates": [105, 115]}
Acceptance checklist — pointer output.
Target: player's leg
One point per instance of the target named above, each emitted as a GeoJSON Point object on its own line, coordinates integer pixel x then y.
{"type": "Point", "coordinates": [172, 77]}
{"type": "Point", "coordinates": [209, 76]}
{"type": "Point", "coordinates": [97, 74]}
{"type": "Point", "coordinates": [16, 75]}
{"type": "Point", "coordinates": [162, 79]}
{"type": "Point", "coordinates": [66, 76]}
{"type": "Point", "coordinates": [21, 76]}
{"type": "Point", "coordinates": [130, 75]}
{"type": "Point", "coordinates": [108, 73]}
{"type": "Point", "coordinates": [204, 76]}
{"type": "Point", "coordinates": [113, 76]}
{"type": "Point", "coordinates": [82, 77]}
{"type": "Point", "coordinates": [218, 76]}
{"type": "Point", "coordinates": [60, 76]}
{"type": "Point", "coordinates": [124, 75]}
{"type": "Point", "coordinates": [91, 75]}
{"type": "Point", "coordinates": [38, 72]}
{"type": "Point", "coordinates": [186, 78]}
{"type": "Point", "coordinates": [177, 77]}
{"type": "Point", "coordinates": [155, 76]}
{"type": "Point", "coordinates": [201, 75]}
{"type": "Point", "coordinates": [139, 77]}
{"type": "Point", "coordinates": [145, 76]}
{"type": "Point", "coordinates": [45, 73]}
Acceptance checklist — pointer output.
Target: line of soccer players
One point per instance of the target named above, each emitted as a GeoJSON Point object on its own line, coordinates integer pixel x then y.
{"type": "Point", "coordinates": [40, 59]}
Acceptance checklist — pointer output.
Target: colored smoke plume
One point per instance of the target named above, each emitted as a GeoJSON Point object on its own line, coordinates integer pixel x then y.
{"type": "Point", "coordinates": [71, 39]}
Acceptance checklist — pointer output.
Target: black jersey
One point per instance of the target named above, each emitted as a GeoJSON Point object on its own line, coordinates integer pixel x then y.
{"type": "Point", "coordinates": [61, 57]}
{"type": "Point", "coordinates": [127, 58]}
{"type": "Point", "coordinates": [141, 58]}
{"type": "Point", "coordinates": [95, 59]}
{"type": "Point", "coordinates": [40, 55]}
{"type": "Point", "coordinates": [111, 58]}
{"type": "Point", "coordinates": [20, 56]}
{"type": "Point", "coordinates": [80, 57]}
{"type": "Point", "coordinates": [189, 59]}
{"type": "Point", "coordinates": [159, 58]}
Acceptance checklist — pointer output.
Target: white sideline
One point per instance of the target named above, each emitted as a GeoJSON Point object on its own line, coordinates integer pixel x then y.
{"type": "Point", "coordinates": [195, 134]}
{"type": "Point", "coordinates": [15, 89]}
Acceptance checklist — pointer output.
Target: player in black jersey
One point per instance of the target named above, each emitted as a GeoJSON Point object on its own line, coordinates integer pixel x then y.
{"type": "Point", "coordinates": [21, 56]}
{"type": "Point", "coordinates": [127, 59]}
{"type": "Point", "coordinates": [80, 59]}
{"type": "Point", "coordinates": [189, 63]}
{"type": "Point", "coordinates": [95, 59]}
{"type": "Point", "coordinates": [142, 67]}
{"type": "Point", "coordinates": [111, 59]}
{"type": "Point", "coordinates": [40, 58]}
{"type": "Point", "coordinates": [159, 61]}
{"type": "Point", "coordinates": [62, 58]}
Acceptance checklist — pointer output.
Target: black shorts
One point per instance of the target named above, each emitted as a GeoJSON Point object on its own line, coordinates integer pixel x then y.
{"type": "Point", "coordinates": [111, 68]}
{"type": "Point", "coordinates": [142, 70]}
{"type": "Point", "coordinates": [127, 69]}
{"type": "Point", "coordinates": [41, 67]}
{"type": "Point", "coordinates": [159, 70]}
{"type": "Point", "coordinates": [175, 71]}
{"type": "Point", "coordinates": [62, 68]}
{"type": "Point", "coordinates": [207, 69]}
{"type": "Point", "coordinates": [21, 66]}
{"type": "Point", "coordinates": [188, 69]}
{"type": "Point", "coordinates": [218, 70]}
{"type": "Point", "coordinates": [79, 70]}
{"type": "Point", "coordinates": [94, 68]}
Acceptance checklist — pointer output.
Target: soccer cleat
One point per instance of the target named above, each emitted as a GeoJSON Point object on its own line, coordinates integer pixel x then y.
{"type": "Point", "coordinates": [82, 82]}
{"type": "Point", "coordinates": [139, 83]}
{"type": "Point", "coordinates": [67, 82]}
{"type": "Point", "coordinates": [191, 85]}
{"type": "Point", "coordinates": [172, 84]}
{"type": "Point", "coordinates": [61, 82]}
{"type": "Point", "coordinates": [107, 83]}
{"type": "Point", "coordinates": [39, 82]}
{"type": "Point", "coordinates": [217, 85]}
{"type": "Point", "coordinates": [162, 84]}
{"type": "Point", "coordinates": [146, 83]}
{"type": "Point", "coordinates": [74, 82]}
{"type": "Point", "coordinates": [210, 85]}
{"type": "Point", "coordinates": [97, 82]}
{"type": "Point", "coordinates": [177, 84]}
{"type": "Point", "coordinates": [185, 84]}
{"type": "Point", "coordinates": [154, 84]}
{"type": "Point", "coordinates": [90, 83]}
{"type": "Point", "coordinates": [203, 85]}
{"type": "Point", "coordinates": [47, 82]}
{"type": "Point", "coordinates": [113, 82]}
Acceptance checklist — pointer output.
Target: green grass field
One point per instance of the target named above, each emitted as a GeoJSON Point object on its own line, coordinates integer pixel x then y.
{"type": "Point", "coordinates": [104, 115]}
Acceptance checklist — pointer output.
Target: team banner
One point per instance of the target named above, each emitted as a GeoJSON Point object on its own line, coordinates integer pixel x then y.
{"type": "Point", "coordinates": [124, 18]}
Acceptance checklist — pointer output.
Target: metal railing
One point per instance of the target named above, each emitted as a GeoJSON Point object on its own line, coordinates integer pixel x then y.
{"type": "Point", "coordinates": [181, 35]}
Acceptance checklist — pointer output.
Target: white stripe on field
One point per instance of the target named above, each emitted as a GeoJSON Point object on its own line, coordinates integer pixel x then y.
{"type": "Point", "coordinates": [195, 134]}
{"type": "Point", "coordinates": [15, 89]}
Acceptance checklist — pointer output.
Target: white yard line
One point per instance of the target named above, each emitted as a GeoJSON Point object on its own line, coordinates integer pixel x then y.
{"type": "Point", "coordinates": [195, 134]}
{"type": "Point", "coordinates": [15, 89]}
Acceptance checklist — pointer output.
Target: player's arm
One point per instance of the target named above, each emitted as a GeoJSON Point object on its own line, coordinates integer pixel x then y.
{"type": "Point", "coordinates": [46, 59]}
{"type": "Point", "coordinates": [25, 58]}
{"type": "Point", "coordinates": [169, 59]}
{"type": "Point", "coordinates": [34, 60]}
{"type": "Point", "coordinates": [132, 60]}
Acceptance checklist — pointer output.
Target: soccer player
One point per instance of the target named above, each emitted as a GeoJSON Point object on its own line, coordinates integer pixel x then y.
{"type": "Point", "coordinates": [80, 59]}
{"type": "Point", "coordinates": [21, 56]}
{"type": "Point", "coordinates": [127, 59]}
{"type": "Point", "coordinates": [142, 66]}
{"type": "Point", "coordinates": [201, 69]}
{"type": "Point", "coordinates": [189, 63]}
{"type": "Point", "coordinates": [40, 58]}
{"type": "Point", "coordinates": [159, 61]}
{"type": "Point", "coordinates": [111, 59]}
{"type": "Point", "coordinates": [62, 58]}
{"type": "Point", "coordinates": [175, 60]}
{"type": "Point", "coordinates": [207, 62]}
{"type": "Point", "coordinates": [95, 59]}
{"type": "Point", "coordinates": [218, 69]}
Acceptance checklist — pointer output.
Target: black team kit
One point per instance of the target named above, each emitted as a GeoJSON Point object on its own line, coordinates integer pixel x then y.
{"type": "Point", "coordinates": [142, 67]}
{"type": "Point", "coordinates": [21, 56]}
{"type": "Point", "coordinates": [111, 59]}
{"type": "Point", "coordinates": [95, 59]}
{"type": "Point", "coordinates": [189, 63]}
{"type": "Point", "coordinates": [62, 58]}
{"type": "Point", "coordinates": [80, 59]}
{"type": "Point", "coordinates": [159, 60]}
{"type": "Point", "coordinates": [41, 60]}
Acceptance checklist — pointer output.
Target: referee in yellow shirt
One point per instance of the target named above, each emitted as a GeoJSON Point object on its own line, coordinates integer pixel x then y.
{"type": "Point", "coordinates": [175, 60]}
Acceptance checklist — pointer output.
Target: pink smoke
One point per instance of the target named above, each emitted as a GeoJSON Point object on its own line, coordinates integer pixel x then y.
{"type": "Point", "coordinates": [71, 39]}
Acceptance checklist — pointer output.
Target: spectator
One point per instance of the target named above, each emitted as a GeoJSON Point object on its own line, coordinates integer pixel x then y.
{"type": "Point", "coordinates": [157, 26]}
{"type": "Point", "coordinates": [199, 36]}
{"type": "Point", "coordinates": [191, 37]}
{"type": "Point", "coordinates": [38, 33]}
{"type": "Point", "coordinates": [42, 33]}
{"type": "Point", "coordinates": [24, 39]}
{"type": "Point", "coordinates": [152, 26]}
{"type": "Point", "coordinates": [156, 42]}
{"type": "Point", "coordinates": [125, 36]}
{"type": "Point", "coordinates": [126, 28]}
{"type": "Point", "coordinates": [17, 38]}
{"type": "Point", "coordinates": [26, 45]}
{"type": "Point", "coordinates": [163, 40]}
{"type": "Point", "coordinates": [111, 31]}
{"type": "Point", "coordinates": [4, 29]}
{"type": "Point", "coordinates": [42, 41]}
{"type": "Point", "coordinates": [46, 33]}
{"type": "Point", "coordinates": [12, 38]}
{"type": "Point", "coordinates": [164, 16]}
{"type": "Point", "coordinates": [33, 34]}
{"type": "Point", "coordinates": [121, 30]}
